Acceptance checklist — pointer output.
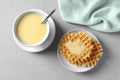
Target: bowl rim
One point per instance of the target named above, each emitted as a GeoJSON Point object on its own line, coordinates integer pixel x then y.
{"type": "Point", "coordinates": [20, 16]}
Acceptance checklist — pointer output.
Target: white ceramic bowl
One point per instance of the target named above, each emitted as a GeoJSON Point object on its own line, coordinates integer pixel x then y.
{"type": "Point", "coordinates": [65, 63]}
{"type": "Point", "coordinates": [47, 40]}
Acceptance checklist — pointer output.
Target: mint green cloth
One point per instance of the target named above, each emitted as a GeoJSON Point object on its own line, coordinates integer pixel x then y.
{"type": "Point", "coordinates": [102, 15]}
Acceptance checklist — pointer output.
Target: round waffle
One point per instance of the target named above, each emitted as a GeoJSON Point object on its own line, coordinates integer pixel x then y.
{"type": "Point", "coordinates": [88, 57]}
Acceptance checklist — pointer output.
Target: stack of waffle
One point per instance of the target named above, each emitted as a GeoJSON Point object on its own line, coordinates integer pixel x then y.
{"type": "Point", "coordinates": [80, 49]}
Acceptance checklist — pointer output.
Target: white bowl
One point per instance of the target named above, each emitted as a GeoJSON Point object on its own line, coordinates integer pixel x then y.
{"type": "Point", "coordinates": [47, 40]}
{"type": "Point", "coordinates": [68, 65]}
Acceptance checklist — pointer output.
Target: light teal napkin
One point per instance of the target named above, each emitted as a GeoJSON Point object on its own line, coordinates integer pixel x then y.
{"type": "Point", "coordinates": [102, 15]}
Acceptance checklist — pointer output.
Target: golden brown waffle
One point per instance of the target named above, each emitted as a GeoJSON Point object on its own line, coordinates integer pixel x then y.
{"type": "Point", "coordinates": [94, 57]}
{"type": "Point", "coordinates": [87, 58]}
{"type": "Point", "coordinates": [83, 37]}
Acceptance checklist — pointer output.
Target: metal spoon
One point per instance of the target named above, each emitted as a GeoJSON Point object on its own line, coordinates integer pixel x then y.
{"type": "Point", "coordinates": [45, 20]}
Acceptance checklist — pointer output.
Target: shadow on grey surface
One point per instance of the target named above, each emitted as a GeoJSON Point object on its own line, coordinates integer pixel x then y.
{"type": "Point", "coordinates": [101, 63]}
{"type": "Point", "coordinates": [86, 27]}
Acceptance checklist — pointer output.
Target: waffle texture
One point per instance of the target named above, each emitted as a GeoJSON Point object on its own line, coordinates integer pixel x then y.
{"type": "Point", "coordinates": [89, 54]}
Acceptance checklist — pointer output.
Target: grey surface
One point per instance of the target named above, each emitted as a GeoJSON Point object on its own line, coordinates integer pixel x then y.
{"type": "Point", "coordinates": [17, 64]}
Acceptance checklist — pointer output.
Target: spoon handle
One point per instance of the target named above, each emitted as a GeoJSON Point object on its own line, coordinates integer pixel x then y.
{"type": "Point", "coordinates": [48, 16]}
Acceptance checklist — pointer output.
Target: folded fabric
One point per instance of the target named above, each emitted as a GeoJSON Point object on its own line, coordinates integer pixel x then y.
{"type": "Point", "coordinates": [102, 15]}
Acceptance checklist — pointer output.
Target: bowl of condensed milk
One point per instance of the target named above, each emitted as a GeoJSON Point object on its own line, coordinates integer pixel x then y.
{"type": "Point", "coordinates": [30, 34]}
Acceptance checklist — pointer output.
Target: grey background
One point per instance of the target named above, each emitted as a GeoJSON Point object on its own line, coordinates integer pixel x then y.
{"type": "Point", "coordinates": [17, 64]}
